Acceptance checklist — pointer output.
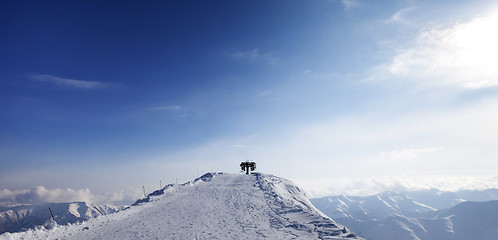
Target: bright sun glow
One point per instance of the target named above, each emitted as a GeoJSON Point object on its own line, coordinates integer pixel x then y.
{"type": "Point", "coordinates": [477, 42]}
{"type": "Point", "coordinates": [471, 50]}
{"type": "Point", "coordinates": [465, 54]}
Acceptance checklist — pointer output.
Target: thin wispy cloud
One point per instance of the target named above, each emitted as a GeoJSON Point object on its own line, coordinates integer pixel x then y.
{"type": "Point", "coordinates": [256, 55]}
{"type": "Point", "coordinates": [239, 146]}
{"type": "Point", "coordinates": [70, 83]}
{"type": "Point", "coordinates": [400, 15]}
{"type": "Point", "coordinates": [323, 75]}
{"type": "Point", "coordinates": [165, 108]}
{"type": "Point", "coordinates": [182, 115]}
{"type": "Point", "coordinates": [407, 154]}
{"type": "Point", "coordinates": [264, 93]}
{"type": "Point", "coordinates": [251, 55]}
{"type": "Point", "coordinates": [349, 4]}
{"type": "Point", "coordinates": [175, 110]}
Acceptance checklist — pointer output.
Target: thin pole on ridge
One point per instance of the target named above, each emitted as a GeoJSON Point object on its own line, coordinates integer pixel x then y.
{"type": "Point", "coordinates": [51, 213]}
{"type": "Point", "coordinates": [98, 210]}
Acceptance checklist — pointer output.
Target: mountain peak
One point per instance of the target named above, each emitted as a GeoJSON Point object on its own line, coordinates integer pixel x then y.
{"type": "Point", "coordinates": [216, 205]}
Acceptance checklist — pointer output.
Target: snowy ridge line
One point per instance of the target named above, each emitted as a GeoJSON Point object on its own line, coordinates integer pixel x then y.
{"type": "Point", "coordinates": [292, 201]}
{"type": "Point", "coordinates": [151, 196]}
{"type": "Point", "coordinates": [214, 206]}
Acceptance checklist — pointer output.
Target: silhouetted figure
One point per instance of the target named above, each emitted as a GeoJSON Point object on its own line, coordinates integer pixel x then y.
{"type": "Point", "coordinates": [246, 166]}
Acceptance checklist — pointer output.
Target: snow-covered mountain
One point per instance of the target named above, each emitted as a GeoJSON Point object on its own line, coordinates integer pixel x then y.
{"type": "Point", "coordinates": [472, 220]}
{"type": "Point", "coordinates": [369, 208]}
{"type": "Point", "coordinates": [467, 220]}
{"type": "Point", "coordinates": [416, 215]}
{"type": "Point", "coordinates": [214, 206]}
{"type": "Point", "coordinates": [21, 217]}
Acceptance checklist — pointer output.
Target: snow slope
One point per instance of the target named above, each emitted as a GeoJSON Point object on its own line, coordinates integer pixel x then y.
{"type": "Point", "coordinates": [21, 217]}
{"type": "Point", "coordinates": [215, 206]}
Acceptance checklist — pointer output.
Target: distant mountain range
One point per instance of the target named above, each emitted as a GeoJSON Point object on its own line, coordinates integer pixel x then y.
{"type": "Point", "coordinates": [417, 215]}
{"type": "Point", "coordinates": [21, 217]}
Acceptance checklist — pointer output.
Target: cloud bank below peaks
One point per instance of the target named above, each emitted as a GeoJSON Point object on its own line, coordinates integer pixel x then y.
{"type": "Point", "coordinates": [41, 194]}
{"type": "Point", "coordinates": [370, 186]}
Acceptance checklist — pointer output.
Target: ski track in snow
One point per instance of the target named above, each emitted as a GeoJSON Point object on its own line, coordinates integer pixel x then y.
{"type": "Point", "coordinates": [215, 206]}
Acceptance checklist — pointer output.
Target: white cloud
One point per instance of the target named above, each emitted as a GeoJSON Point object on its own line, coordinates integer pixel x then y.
{"type": "Point", "coordinates": [41, 194]}
{"type": "Point", "coordinates": [463, 55]}
{"type": "Point", "coordinates": [370, 186]}
{"type": "Point", "coordinates": [399, 16]}
{"type": "Point", "coordinates": [239, 146]}
{"type": "Point", "coordinates": [167, 108]}
{"type": "Point", "coordinates": [407, 154]}
{"type": "Point", "coordinates": [256, 55]}
{"type": "Point", "coordinates": [325, 75]}
{"type": "Point", "coordinates": [182, 115]}
{"type": "Point", "coordinates": [349, 4]}
{"type": "Point", "coordinates": [264, 93]}
{"type": "Point", "coordinates": [252, 55]}
{"type": "Point", "coordinates": [72, 83]}
{"type": "Point", "coordinates": [57, 195]}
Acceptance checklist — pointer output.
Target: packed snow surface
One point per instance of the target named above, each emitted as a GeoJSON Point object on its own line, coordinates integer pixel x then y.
{"type": "Point", "coordinates": [215, 206]}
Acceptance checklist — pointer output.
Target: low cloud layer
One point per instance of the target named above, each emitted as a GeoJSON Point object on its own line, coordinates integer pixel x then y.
{"type": "Point", "coordinates": [41, 194]}
{"type": "Point", "coordinates": [370, 186]}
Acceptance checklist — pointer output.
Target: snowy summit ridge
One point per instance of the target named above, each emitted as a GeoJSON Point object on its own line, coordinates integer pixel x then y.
{"type": "Point", "coordinates": [214, 206]}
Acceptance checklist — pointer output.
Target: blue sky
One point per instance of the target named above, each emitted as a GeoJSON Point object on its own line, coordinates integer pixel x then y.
{"type": "Point", "coordinates": [112, 96]}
